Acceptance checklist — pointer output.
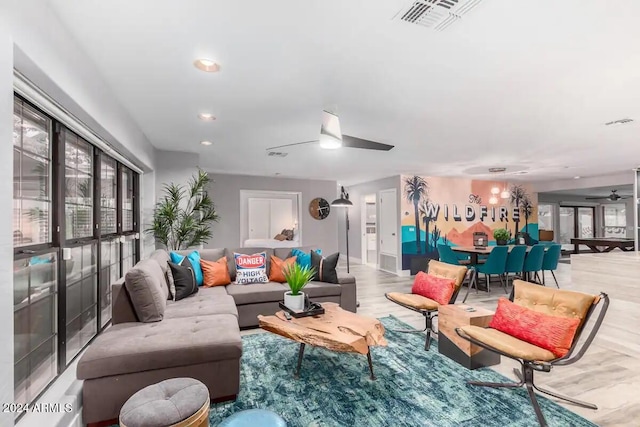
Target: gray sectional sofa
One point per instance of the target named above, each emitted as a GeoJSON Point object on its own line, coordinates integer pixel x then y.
{"type": "Point", "coordinates": [197, 337]}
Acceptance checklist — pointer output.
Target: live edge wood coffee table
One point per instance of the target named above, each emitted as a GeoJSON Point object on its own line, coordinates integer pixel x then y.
{"type": "Point", "coordinates": [337, 330]}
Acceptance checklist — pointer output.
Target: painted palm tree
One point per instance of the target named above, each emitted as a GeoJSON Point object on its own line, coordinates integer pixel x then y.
{"type": "Point", "coordinates": [415, 188]}
{"type": "Point", "coordinates": [518, 196]}
{"type": "Point", "coordinates": [527, 211]}
{"type": "Point", "coordinates": [425, 214]}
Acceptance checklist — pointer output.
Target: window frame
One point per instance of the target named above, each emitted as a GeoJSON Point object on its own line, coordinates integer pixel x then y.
{"type": "Point", "coordinates": [58, 241]}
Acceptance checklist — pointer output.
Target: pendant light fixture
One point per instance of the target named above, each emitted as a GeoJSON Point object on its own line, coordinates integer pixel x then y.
{"type": "Point", "coordinates": [495, 191]}
{"type": "Point", "coordinates": [505, 193]}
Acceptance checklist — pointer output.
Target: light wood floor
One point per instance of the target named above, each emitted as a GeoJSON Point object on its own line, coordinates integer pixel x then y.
{"type": "Point", "coordinates": [608, 375]}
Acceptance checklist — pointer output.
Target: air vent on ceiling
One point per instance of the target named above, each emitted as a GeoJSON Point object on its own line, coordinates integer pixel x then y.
{"type": "Point", "coordinates": [436, 14]}
{"type": "Point", "coordinates": [277, 154]}
{"type": "Point", "coordinates": [618, 122]}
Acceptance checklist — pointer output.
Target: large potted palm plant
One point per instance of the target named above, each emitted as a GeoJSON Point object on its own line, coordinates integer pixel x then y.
{"type": "Point", "coordinates": [183, 217]}
{"type": "Point", "coordinates": [297, 278]}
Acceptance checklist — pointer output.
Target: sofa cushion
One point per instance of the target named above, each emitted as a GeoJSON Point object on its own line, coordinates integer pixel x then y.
{"type": "Point", "coordinates": [147, 289]}
{"type": "Point", "coordinates": [207, 301]}
{"type": "Point", "coordinates": [279, 267]}
{"type": "Point", "coordinates": [322, 289]}
{"type": "Point", "coordinates": [162, 257]}
{"type": "Point", "coordinates": [137, 347]}
{"type": "Point", "coordinates": [210, 254]}
{"type": "Point", "coordinates": [247, 251]}
{"type": "Point", "coordinates": [251, 268]}
{"type": "Point", "coordinates": [257, 292]}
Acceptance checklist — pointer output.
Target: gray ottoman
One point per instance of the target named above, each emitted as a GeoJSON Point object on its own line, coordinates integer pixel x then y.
{"type": "Point", "coordinates": [180, 402]}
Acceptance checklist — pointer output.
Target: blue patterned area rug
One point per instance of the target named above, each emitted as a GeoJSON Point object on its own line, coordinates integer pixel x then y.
{"type": "Point", "coordinates": [413, 387]}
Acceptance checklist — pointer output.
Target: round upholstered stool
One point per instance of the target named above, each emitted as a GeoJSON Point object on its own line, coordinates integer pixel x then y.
{"type": "Point", "coordinates": [178, 402]}
{"type": "Point", "coordinates": [254, 418]}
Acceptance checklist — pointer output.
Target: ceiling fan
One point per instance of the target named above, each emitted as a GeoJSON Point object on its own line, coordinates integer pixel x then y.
{"type": "Point", "coordinates": [331, 137]}
{"type": "Point", "coordinates": [614, 196]}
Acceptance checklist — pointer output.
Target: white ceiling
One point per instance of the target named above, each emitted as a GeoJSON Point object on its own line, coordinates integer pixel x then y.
{"type": "Point", "coordinates": [526, 84]}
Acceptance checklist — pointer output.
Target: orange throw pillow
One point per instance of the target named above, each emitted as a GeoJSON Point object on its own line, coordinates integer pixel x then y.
{"type": "Point", "coordinates": [215, 273]}
{"type": "Point", "coordinates": [278, 267]}
{"type": "Point", "coordinates": [553, 333]}
{"type": "Point", "coordinates": [433, 287]}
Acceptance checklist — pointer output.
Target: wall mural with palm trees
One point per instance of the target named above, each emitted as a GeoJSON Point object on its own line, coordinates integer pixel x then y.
{"type": "Point", "coordinates": [440, 210]}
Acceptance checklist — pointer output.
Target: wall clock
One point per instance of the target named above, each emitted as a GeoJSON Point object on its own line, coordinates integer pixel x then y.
{"type": "Point", "coordinates": [319, 208]}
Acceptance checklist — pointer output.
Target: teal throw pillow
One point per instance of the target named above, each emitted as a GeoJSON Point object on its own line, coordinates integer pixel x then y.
{"type": "Point", "coordinates": [303, 259]}
{"type": "Point", "coordinates": [194, 258]}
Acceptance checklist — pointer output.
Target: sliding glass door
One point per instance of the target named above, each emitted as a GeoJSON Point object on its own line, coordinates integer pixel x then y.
{"type": "Point", "coordinates": [576, 221]}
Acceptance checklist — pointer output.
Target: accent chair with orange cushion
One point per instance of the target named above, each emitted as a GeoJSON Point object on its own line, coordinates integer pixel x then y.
{"type": "Point", "coordinates": [278, 267]}
{"type": "Point", "coordinates": [216, 273]}
{"type": "Point", "coordinates": [439, 286]}
{"type": "Point", "coordinates": [539, 327]}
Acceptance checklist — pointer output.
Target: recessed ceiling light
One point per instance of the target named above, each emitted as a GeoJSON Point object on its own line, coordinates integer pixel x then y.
{"type": "Point", "coordinates": [206, 117]}
{"type": "Point", "coordinates": [206, 143]}
{"type": "Point", "coordinates": [576, 177]}
{"type": "Point", "coordinates": [208, 65]}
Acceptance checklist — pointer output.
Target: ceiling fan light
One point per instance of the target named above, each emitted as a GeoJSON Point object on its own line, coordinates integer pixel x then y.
{"type": "Point", "coordinates": [329, 142]}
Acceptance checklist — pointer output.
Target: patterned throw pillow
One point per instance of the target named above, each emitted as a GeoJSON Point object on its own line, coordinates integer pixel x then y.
{"type": "Point", "coordinates": [288, 234]}
{"type": "Point", "coordinates": [433, 287]}
{"type": "Point", "coordinates": [304, 258]}
{"type": "Point", "coordinates": [216, 273]}
{"type": "Point", "coordinates": [194, 258]}
{"type": "Point", "coordinates": [251, 268]}
{"type": "Point", "coordinates": [553, 333]}
{"type": "Point", "coordinates": [278, 267]}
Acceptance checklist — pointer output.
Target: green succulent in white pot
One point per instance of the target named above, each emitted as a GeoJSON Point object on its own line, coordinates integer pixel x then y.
{"type": "Point", "coordinates": [297, 278]}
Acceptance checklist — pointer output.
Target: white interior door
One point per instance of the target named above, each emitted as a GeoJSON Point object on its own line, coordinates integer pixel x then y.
{"type": "Point", "coordinates": [388, 222]}
{"type": "Point", "coordinates": [259, 219]}
{"type": "Point", "coordinates": [281, 216]}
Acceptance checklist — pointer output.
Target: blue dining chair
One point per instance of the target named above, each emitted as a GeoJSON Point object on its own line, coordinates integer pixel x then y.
{"type": "Point", "coordinates": [550, 261]}
{"type": "Point", "coordinates": [448, 255]}
{"type": "Point", "coordinates": [515, 261]}
{"type": "Point", "coordinates": [533, 262]}
{"type": "Point", "coordinates": [495, 264]}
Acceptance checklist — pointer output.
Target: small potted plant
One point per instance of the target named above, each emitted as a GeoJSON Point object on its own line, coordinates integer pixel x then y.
{"type": "Point", "coordinates": [297, 278]}
{"type": "Point", "coordinates": [501, 235]}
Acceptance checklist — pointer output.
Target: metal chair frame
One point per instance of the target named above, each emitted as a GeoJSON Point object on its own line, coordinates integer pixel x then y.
{"type": "Point", "coordinates": [528, 367]}
{"type": "Point", "coordinates": [429, 316]}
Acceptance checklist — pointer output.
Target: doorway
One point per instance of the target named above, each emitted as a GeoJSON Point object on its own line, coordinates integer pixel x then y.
{"type": "Point", "coordinates": [576, 221]}
{"type": "Point", "coordinates": [387, 230]}
{"type": "Point", "coordinates": [369, 230]}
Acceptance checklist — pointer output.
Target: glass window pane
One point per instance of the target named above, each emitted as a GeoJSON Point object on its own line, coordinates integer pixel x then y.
{"type": "Point", "coordinates": [35, 132]}
{"type": "Point", "coordinates": [82, 291]}
{"type": "Point", "coordinates": [35, 324]}
{"type": "Point", "coordinates": [108, 192]}
{"type": "Point", "coordinates": [31, 176]}
{"type": "Point", "coordinates": [78, 187]}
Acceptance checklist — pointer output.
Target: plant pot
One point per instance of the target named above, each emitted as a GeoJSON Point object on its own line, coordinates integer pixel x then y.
{"type": "Point", "coordinates": [294, 302]}
{"type": "Point", "coordinates": [501, 242]}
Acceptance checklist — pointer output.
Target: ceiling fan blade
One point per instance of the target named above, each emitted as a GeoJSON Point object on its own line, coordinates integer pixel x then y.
{"type": "Point", "coordinates": [291, 145]}
{"type": "Point", "coordinates": [354, 142]}
{"type": "Point", "coordinates": [596, 198]}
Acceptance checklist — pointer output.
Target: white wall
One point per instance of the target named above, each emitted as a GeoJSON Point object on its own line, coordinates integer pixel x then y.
{"type": "Point", "coordinates": [590, 182]}
{"type": "Point", "coordinates": [225, 192]}
{"type": "Point", "coordinates": [6, 214]}
{"type": "Point", "coordinates": [174, 167]}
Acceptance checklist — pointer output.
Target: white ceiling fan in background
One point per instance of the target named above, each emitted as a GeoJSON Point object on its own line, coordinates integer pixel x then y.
{"type": "Point", "coordinates": [331, 137]}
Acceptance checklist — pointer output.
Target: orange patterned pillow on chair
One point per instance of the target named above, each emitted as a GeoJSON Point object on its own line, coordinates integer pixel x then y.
{"type": "Point", "coordinates": [433, 287]}
{"type": "Point", "coordinates": [553, 333]}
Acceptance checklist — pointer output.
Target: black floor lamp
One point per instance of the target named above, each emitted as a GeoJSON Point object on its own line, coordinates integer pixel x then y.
{"type": "Point", "coordinates": [344, 202]}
